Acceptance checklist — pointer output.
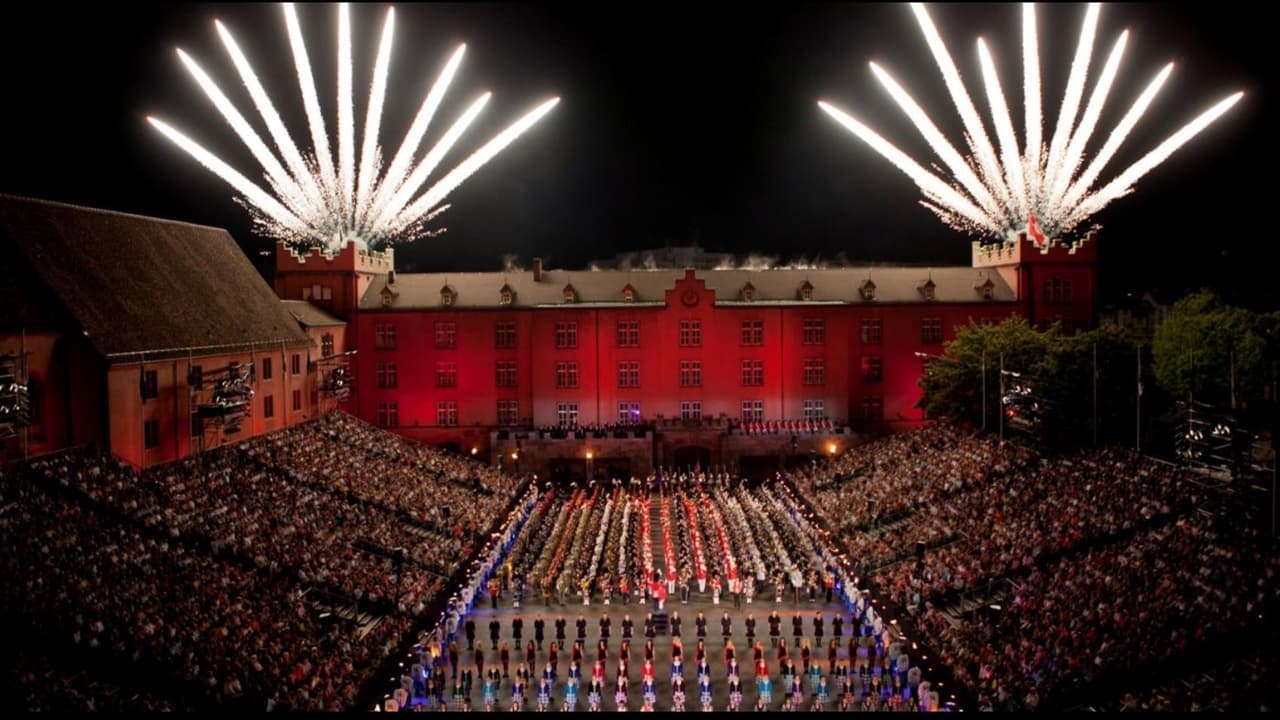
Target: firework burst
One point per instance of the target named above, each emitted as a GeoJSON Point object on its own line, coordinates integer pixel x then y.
{"type": "Point", "coordinates": [314, 201]}
{"type": "Point", "coordinates": [1001, 193]}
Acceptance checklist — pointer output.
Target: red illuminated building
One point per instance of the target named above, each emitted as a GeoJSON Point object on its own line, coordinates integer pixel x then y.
{"type": "Point", "coordinates": [474, 360]}
{"type": "Point", "coordinates": [123, 327]}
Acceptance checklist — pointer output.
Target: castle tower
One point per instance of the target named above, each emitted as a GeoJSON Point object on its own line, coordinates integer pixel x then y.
{"type": "Point", "coordinates": [334, 282]}
{"type": "Point", "coordinates": [1054, 282]}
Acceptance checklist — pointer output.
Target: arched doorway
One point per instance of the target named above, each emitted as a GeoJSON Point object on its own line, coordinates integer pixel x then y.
{"type": "Point", "coordinates": [612, 468]}
{"type": "Point", "coordinates": [758, 467]}
{"type": "Point", "coordinates": [691, 457]}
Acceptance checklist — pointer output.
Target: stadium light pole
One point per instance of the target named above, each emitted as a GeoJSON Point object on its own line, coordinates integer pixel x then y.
{"type": "Point", "coordinates": [1137, 438]}
{"type": "Point", "coordinates": [1002, 399]}
{"type": "Point", "coordinates": [1095, 394]}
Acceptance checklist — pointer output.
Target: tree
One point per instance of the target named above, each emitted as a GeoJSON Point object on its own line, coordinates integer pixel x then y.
{"type": "Point", "coordinates": [1055, 370]}
{"type": "Point", "coordinates": [1210, 350]}
{"type": "Point", "coordinates": [953, 384]}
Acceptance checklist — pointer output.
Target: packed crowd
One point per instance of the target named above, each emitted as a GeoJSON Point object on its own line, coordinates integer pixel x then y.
{"type": "Point", "coordinates": [230, 572]}
{"type": "Point", "coordinates": [784, 427]}
{"type": "Point", "coordinates": [1111, 566]}
{"type": "Point", "coordinates": [598, 430]}
{"type": "Point", "coordinates": [1242, 684]}
{"type": "Point", "coordinates": [1113, 609]}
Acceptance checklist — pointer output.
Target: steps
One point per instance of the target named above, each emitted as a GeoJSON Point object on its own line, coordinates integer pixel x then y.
{"type": "Point", "coordinates": [661, 623]}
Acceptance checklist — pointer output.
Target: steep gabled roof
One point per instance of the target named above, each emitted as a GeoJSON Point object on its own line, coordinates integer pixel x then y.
{"type": "Point", "coordinates": [138, 284]}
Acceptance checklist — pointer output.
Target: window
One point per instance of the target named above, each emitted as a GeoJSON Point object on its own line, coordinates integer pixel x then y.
{"type": "Point", "coordinates": [385, 374]}
{"type": "Point", "coordinates": [872, 369]}
{"type": "Point", "coordinates": [151, 434]}
{"type": "Point", "coordinates": [806, 291]}
{"type": "Point", "coordinates": [814, 371]}
{"type": "Point", "coordinates": [388, 414]}
{"type": "Point", "coordinates": [326, 345]}
{"type": "Point", "coordinates": [752, 411]}
{"type": "Point", "coordinates": [628, 333]}
{"type": "Point", "coordinates": [567, 414]}
{"type": "Point", "coordinates": [691, 410]}
{"type": "Point", "coordinates": [872, 331]}
{"type": "Point", "coordinates": [815, 409]}
{"type": "Point", "coordinates": [629, 374]}
{"type": "Point", "coordinates": [753, 373]}
{"type": "Point", "coordinates": [266, 368]}
{"type": "Point", "coordinates": [150, 384]}
{"type": "Point", "coordinates": [384, 336]}
{"type": "Point", "coordinates": [873, 408]}
{"type": "Point", "coordinates": [868, 290]}
{"type": "Point", "coordinates": [628, 413]}
{"type": "Point", "coordinates": [690, 333]}
{"type": "Point", "coordinates": [447, 295]}
{"type": "Point", "coordinates": [506, 295]}
{"type": "Point", "coordinates": [268, 406]}
{"type": "Point", "coordinates": [447, 413]}
{"type": "Point", "coordinates": [446, 374]}
{"type": "Point", "coordinates": [504, 335]}
{"type": "Point", "coordinates": [815, 331]}
{"type": "Point", "coordinates": [570, 294]}
{"type": "Point", "coordinates": [690, 373]}
{"type": "Point", "coordinates": [295, 364]}
{"type": "Point", "coordinates": [297, 400]}
{"type": "Point", "coordinates": [446, 335]}
{"type": "Point", "coordinates": [506, 374]}
{"type": "Point", "coordinates": [566, 374]}
{"type": "Point", "coordinates": [508, 412]}
{"type": "Point", "coordinates": [567, 334]}
{"type": "Point", "coordinates": [748, 292]}
{"type": "Point", "coordinates": [927, 290]}
{"type": "Point", "coordinates": [752, 332]}
{"type": "Point", "coordinates": [628, 293]}
{"type": "Point", "coordinates": [1057, 291]}
{"type": "Point", "coordinates": [931, 331]}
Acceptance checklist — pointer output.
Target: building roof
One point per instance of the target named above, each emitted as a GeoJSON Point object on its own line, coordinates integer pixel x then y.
{"type": "Point", "coordinates": [596, 287]}
{"type": "Point", "coordinates": [308, 315]}
{"type": "Point", "coordinates": [136, 284]}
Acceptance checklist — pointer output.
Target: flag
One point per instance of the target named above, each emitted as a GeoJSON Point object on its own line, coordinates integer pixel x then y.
{"type": "Point", "coordinates": [1033, 231]}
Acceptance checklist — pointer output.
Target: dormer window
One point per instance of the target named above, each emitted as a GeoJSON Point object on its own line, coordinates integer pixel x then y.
{"type": "Point", "coordinates": [628, 293]}
{"type": "Point", "coordinates": [506, 296]}
{"type": "Point", "coordinates": [806, 291]}
{"type": "Point", "coordinates": [748, 292]}
{"type": "Point", "coordinates": [570, 295]}
{"type": "Point", "coordinates": [927, 290]}
{"type": "Point", "coordinates": [387, 297]}
{"type": "Point", "coordinates": [986, 289]}
{"type": "Point", "coordinates": [447, 296]}
{"type": "Point", "coordinates": [868, 290]}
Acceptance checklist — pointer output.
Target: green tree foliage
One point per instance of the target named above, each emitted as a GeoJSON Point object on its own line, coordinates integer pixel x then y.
{"type": "Point", "coordinates": [1204, 344]}
{"type": "Point", "coordinates": [1058, 368]}
{"type": "Point", "coordinates": [953, 384]}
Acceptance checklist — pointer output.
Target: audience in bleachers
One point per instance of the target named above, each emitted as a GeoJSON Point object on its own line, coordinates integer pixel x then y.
{"type": "Point", "coordinates": [1111, 564]}
{"type": "Point", "coordinates": [280, 572]}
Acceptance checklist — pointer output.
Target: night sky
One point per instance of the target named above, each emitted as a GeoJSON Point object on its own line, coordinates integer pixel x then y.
{"type": "Point", "coordinates": [675, 125]}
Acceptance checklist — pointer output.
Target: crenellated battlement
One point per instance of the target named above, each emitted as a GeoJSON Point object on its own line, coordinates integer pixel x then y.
{"type": "Point", "coordinates": [1023, 250]}
{"type": "Point", "coordinates": [349, 258]}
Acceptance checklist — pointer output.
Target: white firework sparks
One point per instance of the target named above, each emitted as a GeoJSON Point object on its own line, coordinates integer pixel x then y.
{"type": "Point", "coordinates": [309, 201]}
{"type": "Point", "coordinates": [999, 194]}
